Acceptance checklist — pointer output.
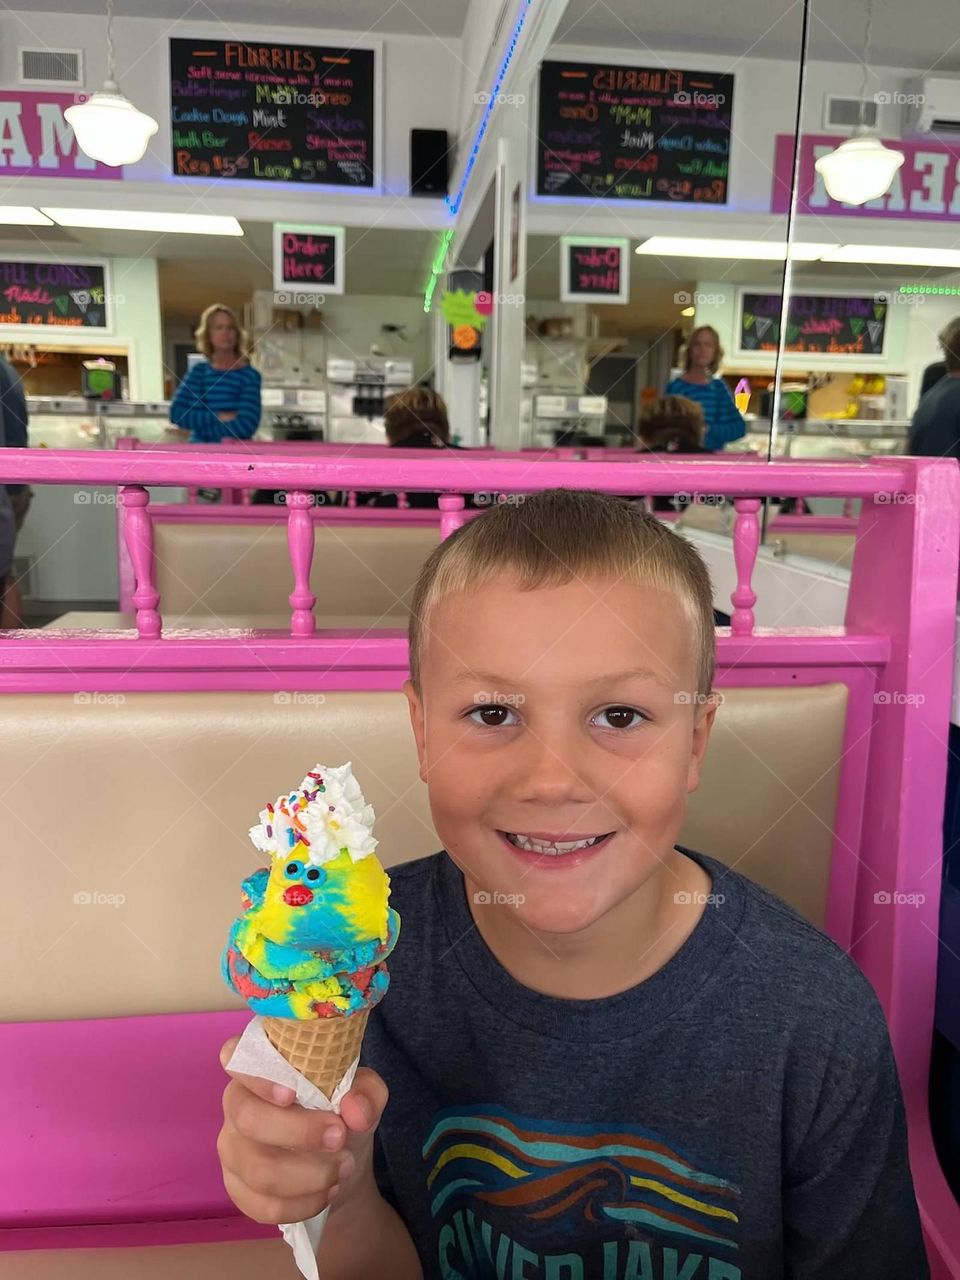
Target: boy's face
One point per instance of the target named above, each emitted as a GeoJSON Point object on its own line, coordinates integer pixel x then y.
{"type": "Point", "coordinates": [553, 716]}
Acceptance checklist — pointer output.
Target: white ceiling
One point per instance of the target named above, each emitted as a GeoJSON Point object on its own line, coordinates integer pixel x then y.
{"type": "Point", "coordinates": [921, 36]}
{"type": "Point", "coordinates": [372, 17]}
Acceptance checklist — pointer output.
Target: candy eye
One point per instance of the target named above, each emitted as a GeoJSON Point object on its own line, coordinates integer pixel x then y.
{"type": "Point", "coordinates": [314, 875]}
{"type": "Point", "coordinates": [293, 870]}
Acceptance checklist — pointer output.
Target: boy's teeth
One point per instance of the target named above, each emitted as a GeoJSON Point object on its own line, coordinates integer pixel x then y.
{"type": "Point", "coordinates": [529, 845]}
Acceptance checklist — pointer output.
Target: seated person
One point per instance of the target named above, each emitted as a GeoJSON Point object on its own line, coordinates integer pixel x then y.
{"type": "Point", "coordinates": [935, 430]}
{"type": "Point", "coordinates": [414, 419]}
{"type": "Point", "coordinates": [607, 1055]}
{"type": "Point", "coordinates": [671, 424]}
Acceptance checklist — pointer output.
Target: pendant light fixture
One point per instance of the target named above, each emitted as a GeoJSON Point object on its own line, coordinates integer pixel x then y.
{"type": "Point", "coordinates": [108, 127]}
{"type": "Point", "coordinates": [861, 168]}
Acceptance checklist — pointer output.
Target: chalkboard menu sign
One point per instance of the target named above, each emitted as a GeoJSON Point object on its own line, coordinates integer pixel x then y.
{"type": "Point", "coordinates": [594, 270]}
{"type": "Point", "coordinates": [54, 294]}
{"type": "Point", "coordinates": [307, 262]}
{"type": "Point", "coordinates": [633, 133]}
{"type": "Point", "coordinates": [817, 323]}
{"type": "Point", "coordinates": [273, 112]}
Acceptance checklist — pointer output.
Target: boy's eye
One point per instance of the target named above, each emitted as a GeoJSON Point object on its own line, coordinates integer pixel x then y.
{"type": "Point", "coordinates": [620, 717]}
{"type": "Point", "coordinates": [293, 869]}
{"type": "Point", "coordinates": [492, 717]}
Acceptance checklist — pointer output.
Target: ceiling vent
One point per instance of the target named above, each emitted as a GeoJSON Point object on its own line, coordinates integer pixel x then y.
{"type": "Point", "coordinates": [842, 115]}
{"type": "Point", "coordinates": [51, 67]}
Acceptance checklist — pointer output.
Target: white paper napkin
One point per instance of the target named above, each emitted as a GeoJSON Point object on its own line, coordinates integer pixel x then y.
{"type": "Point", "coordinates": [256, 1056]}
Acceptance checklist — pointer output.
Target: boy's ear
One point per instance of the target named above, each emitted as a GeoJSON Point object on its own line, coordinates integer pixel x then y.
{"type": "Point", "coordinates": [415, 706]}
{"type": "Point", "coordinates": [704, 717]}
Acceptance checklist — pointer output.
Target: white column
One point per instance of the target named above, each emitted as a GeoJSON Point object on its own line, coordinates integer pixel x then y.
{"type": "Point", "coordinates": [507, 330]}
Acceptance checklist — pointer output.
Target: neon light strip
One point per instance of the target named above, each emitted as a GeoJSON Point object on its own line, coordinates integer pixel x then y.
{"type": "Point", "coordinates": [455, 203]}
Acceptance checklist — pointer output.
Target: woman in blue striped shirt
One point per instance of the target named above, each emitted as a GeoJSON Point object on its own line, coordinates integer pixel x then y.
{"type": "Point", "coordinates": [220, 396]}
{"type": "Point", "coordinates": [698, 383]}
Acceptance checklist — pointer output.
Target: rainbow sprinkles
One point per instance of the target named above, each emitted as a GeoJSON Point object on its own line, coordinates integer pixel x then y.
{"type": "Point", "coordinates": [325, 817]}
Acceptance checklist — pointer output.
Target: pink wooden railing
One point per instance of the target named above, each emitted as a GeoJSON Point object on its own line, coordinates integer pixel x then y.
{"type": "Point", "coordinates": [299, 474]}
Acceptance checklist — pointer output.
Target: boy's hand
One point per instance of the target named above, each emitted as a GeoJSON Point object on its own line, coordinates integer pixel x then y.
{"type": "Point", "coordinates": [284, 1163]}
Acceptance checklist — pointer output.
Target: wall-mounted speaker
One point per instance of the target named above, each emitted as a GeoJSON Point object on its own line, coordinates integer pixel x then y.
{"type": "Point", "coordinates": [428, 162]}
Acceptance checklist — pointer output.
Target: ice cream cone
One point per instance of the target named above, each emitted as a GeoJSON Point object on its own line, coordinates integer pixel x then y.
{"type": "Point", "coordinates": [322, 1049]}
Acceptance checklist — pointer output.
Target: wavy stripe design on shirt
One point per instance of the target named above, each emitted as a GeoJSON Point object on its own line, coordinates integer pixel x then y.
{"type": "Point", "coordinates": [547, 1171]}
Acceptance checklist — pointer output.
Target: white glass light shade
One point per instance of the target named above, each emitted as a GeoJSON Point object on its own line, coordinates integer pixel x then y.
{"type": "Point", "coordinates": [109, 128]}
{"type": "Point", "coordinates": [860, 169]}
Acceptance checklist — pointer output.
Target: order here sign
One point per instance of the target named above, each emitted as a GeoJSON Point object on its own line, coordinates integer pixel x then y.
{"type": "Point", "coordinates": [307, 260]}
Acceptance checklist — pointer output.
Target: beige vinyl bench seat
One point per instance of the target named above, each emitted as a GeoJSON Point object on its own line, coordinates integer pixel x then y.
{"type": "Point", "coordinates": [159, 813]}
{"type": "Point", "coordinates": [213, 570]}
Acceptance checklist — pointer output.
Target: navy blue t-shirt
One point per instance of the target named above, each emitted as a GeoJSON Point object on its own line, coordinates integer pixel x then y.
{"type": "Point", "coordinates": [736, 1116]}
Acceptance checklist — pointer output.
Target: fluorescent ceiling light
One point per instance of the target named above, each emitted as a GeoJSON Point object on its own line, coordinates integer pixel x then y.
{"type": "Point", "coordinates": [22, 215]}
{"type": "Point", "coordinates": [896, 255]}
{"type": "Point", "coordinates": [688, 247]}
{"type": "Point", "coordinates": [201, 224]}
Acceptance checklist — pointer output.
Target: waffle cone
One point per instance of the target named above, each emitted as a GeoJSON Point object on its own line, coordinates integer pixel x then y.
{"type": "Point", "coordinates": [322, 1049]}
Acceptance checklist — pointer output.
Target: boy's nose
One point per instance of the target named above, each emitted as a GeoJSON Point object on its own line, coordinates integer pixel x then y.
{"type": "Point", "coordinates": [552, 772]}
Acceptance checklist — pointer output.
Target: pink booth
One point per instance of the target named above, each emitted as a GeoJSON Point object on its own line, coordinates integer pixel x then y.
{"type": "Point", "coordinates": [89, 1167]}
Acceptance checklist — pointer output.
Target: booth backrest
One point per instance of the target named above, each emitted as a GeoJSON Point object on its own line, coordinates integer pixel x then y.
{"type": "Point", "coordinates": [212, 570]}
{"type": "Point", "coordinates": [129, 867]}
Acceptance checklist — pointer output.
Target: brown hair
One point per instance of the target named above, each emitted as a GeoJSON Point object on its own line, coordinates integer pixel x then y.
{"type": "Point", "coordinates": [703, 328]}
{"type": "Point", "coordinates": [949, 339]}
{"type": "Point", "coordinates": [672, 423]}
{"type": "Point", "coordinates": [202, 332]}
{"type": "Point", "coordinates": [412, 412]}
{"type": "Point", "coordinates": [557, 535]}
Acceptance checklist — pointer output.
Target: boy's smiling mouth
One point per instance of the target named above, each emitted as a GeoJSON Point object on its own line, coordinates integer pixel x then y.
{"type": "Point", "coordinates": [548, 844]}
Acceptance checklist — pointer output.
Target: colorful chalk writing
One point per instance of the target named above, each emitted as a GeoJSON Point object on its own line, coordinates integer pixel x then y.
{"type": "Point", "coordinates": [630, 133]}
{"type": "Point", "coordinates": [272, 113]}
{"type": "Point", "coordinates": [65, 295]}
{"type": "Point", "coordinates": [816, 323]}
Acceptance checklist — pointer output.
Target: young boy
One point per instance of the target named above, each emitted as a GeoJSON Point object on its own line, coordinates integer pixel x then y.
{"type": "Point", "coordinates": [608, 1058]}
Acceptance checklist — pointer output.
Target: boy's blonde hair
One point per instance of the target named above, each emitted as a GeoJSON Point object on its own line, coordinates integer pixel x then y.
{"type": "Point", "coordinates": [554, 536]}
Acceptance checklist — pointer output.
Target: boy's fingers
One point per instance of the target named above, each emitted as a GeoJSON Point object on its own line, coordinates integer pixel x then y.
{"type": "Point", "coordinates": [363, 1106]}
{"type": "Point", "coordinates": [255, 1115]}
{"type": "Point", "coordinates": [278, 1094]}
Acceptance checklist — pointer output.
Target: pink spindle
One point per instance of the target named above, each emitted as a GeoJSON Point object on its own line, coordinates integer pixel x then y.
{"type": "Point", "coordinates": [402, 500]}
{"type": "Point", "coordinates": [352, 498]}
{"type": "Point", "coordinates": [746, 542]}
{"type": "Point", "coordinates": [451, 513]}
{"type": "Point", "coordinates": [138, 537]}
{"type": "Point", "coordinates": [848, 508]}
{"type": "Point", "coordinates": [300, 543]}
